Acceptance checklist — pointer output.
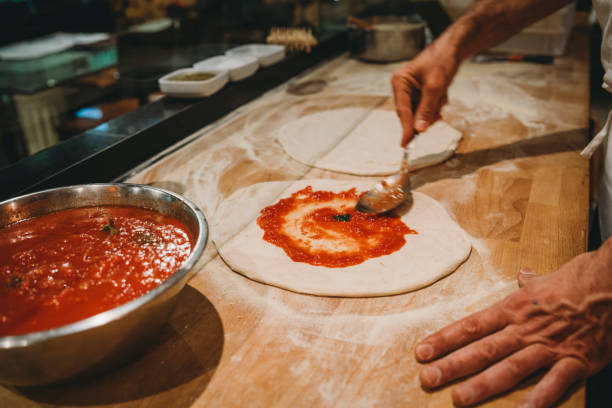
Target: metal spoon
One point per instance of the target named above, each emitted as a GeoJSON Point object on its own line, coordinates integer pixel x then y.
{"type": "Point", "coordinates": [388, 193]}
{"type": "Point", "coordinates": [359, 23]}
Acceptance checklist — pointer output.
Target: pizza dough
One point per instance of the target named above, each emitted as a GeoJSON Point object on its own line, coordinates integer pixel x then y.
{"type": "Point", "coordinates": [311, 137]}
{"type": "Point", "coordinates": [338, 140]}
{"type": "Point", "coordinates": [437, 250]}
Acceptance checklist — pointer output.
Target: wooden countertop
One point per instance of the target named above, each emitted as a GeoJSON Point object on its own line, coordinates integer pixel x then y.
{"type": "Point", "coordinates": [517, 185]}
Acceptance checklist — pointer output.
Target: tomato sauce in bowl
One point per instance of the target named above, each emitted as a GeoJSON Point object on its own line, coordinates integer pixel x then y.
{"type": "Point", "coordinates": [68, 265]}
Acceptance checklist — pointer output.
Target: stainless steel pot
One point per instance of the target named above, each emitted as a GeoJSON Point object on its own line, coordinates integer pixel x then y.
{"type": "Point", "coordinates": [111, 337]}
{"type": "Point", "coordinates": [386, 39]}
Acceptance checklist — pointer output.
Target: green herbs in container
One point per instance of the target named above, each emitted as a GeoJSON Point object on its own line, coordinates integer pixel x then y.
{"type": "Point", "coordinates": [191, 76]}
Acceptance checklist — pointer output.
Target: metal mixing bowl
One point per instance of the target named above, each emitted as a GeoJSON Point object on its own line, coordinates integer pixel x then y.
{"type": "Point", "coordinates": [388, 38]}
{"type": "Point", "coordinates": [111, 337]}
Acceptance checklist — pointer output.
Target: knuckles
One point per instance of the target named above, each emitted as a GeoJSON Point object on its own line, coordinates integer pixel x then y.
{"type": "Point", "coordinates": [405, 78]}
{"type": "Point", "coordinates": [514, 305]}
{"type": "Point", "coordinates": [398, 80]}
{"type": "Point", "coordinates": [488, 351]}
{"type": "Point", "coordinates": [436, 88]}
{"type": "Point", "coordinates": [471, 326]}
{"type": "Point", "coordinates": [515, 367]}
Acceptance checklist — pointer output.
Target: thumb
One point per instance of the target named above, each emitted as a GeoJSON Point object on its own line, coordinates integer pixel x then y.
{"type": "Point", "coordinates": [407, 135]}
{"type": "Point", "coordinates": [429, 107]}
{"type": "Point", "coordinates": [525, 275]}
{"type": "Point", "coordinates": [403, 88]}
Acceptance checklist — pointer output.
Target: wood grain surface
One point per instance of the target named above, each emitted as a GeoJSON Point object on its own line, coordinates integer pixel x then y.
{"type": "Point", "coordinates": [517, 185]}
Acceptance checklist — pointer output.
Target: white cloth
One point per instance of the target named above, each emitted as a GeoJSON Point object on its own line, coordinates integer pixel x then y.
{"type": "Point", "coordinates": [605, 190]}
{"type": "Point", "coordinates": [603, 8]}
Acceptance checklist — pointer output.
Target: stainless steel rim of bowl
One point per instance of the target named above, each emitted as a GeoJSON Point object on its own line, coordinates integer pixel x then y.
{"type": "Point", "coordinates": [108, 316]}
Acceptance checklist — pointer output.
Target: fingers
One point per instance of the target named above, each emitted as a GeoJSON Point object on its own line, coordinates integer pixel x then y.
{"type": "Point", "coordinates": [461, 333]}
{"type": "Point", "coordinates": [471, 358]}
{"type": "Point", "coordinates": [444, 100]}
{"type": "Point", "coordinates": [502, 376]}
{"type": "Point", "coordinates": [428, 110]}
{"type": "Point", "coordinates": [402, 93]}
{"type": "Point", "coordinates": [525, 275]}
{"type": "Point", "coordinates": [417, 111]}
{"type": "Point", "coordinates": [555, 383]}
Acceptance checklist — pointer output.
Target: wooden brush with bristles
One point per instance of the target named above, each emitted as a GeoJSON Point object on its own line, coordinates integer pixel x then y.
{"type": "Point", "coordinates": [294, 39]}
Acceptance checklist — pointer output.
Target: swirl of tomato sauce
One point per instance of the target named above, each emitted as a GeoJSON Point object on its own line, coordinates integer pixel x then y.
{"type": "Point", "coordinates": [323, 228]}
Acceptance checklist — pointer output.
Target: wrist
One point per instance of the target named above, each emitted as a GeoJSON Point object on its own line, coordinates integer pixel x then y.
{"type": "Point", "coordinates": [447, 50]}
{"type": "Point", "coordinates": [602, 259]}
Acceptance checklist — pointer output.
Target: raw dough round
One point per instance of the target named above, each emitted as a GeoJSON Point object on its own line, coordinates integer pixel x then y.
{"type": "Point", "coordinates": [437, 250]}
{"type": "Point", "coordinates": [355, 142]}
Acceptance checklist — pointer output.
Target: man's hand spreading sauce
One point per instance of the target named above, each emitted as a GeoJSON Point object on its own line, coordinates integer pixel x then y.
{"type": "Point", "coordinates": [562, 321]}
{"type": "Point", "coordinates": [421, 87]}
{"type": "Point", "coordinates": [430, 73]}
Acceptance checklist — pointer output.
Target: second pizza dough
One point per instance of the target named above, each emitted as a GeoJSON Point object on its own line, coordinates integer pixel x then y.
{"type": "Point", "coordinates": [369, 147]}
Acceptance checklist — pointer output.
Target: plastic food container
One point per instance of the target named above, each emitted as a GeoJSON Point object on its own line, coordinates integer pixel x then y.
{"type": "Point", "coordinates": [189, 88]}
{"type": "Point", "coordinates": [266, 54]}
{"type": "Point", "coordinates": [238, 66]}
{"type": "Point", "coordinates": [32, 66]}
{"type": "Point", "coordinates": [548, 36]}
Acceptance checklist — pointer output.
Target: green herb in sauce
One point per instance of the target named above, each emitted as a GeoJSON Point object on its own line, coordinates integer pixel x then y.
{"type": "Point", "coordinates": [193, 76]}
{"type": "Point", "coordinates": [14, 281]}
{"type": "Point", "coordinates": [342, 217]}
{"type": "Point", "coordinates": [110, 227]}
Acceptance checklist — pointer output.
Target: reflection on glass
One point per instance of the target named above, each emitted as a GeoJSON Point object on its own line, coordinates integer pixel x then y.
{"type": "Point", "coordinates": [67, 66]}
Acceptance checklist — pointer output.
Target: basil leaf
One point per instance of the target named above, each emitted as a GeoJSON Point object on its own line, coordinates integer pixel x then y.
{"type": "Point", "coordinates": [342, 217]}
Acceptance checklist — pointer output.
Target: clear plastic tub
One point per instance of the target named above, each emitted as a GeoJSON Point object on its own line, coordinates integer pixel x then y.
{"type": "Point", "coordinates": [30, 75]}
{"type": "Point", "coordinates": [546, 37]}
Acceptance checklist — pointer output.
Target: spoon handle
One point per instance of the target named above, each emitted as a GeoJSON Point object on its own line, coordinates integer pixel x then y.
{"type": "Point", "coordinates": [404, 175]}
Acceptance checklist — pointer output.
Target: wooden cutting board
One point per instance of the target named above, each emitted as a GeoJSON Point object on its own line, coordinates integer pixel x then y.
{"type": "Point", "coordinates": [517, 185]}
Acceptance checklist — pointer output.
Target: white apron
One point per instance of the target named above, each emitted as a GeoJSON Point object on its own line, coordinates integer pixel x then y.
{"type": "Point", "coordinates": [603, 8]}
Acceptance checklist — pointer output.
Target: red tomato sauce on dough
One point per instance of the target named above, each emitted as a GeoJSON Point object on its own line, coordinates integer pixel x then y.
{"type": "Point", "coordinates": [72, 264]}
{"type": "Point", "coordinates": [370, 235]}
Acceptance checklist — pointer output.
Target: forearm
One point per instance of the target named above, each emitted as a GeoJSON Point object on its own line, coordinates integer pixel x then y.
{"type": "Point", "coordinates": [489, 22]}
{"type": "Point", "coordinates": [485, 24]}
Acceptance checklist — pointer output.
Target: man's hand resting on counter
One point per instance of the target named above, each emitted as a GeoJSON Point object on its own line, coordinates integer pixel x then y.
{"type": "Point", "coordinates": [561, 322]}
